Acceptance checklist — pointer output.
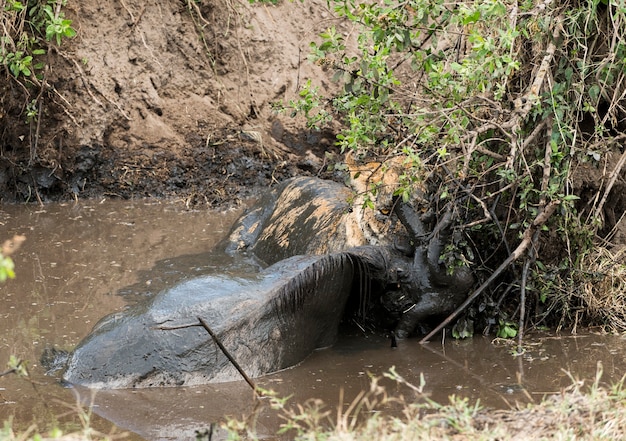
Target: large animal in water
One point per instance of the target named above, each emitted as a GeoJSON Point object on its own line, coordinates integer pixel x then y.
{"type": "Point", "coordinates": [317, 257]}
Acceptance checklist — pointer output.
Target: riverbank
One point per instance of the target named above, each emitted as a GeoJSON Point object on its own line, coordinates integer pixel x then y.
{"type": "Point", "coordinates": [178, 104]}
{"type": "Point", "coordinates": [583, 411]}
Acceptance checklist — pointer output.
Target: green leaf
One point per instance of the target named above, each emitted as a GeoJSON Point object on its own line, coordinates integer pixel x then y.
{"type": "Point", "coordinates": [472, 18]}
{"type": "Point", "coordinates": [594, 93]}
{"type": "Point", "coordinates": [69, 31]}
{"type": "Point", "coordinates": [571, 197]}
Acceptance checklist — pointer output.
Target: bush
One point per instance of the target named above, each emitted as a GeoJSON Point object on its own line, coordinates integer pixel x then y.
{"type": "Point", "coordinates": [491, 106]}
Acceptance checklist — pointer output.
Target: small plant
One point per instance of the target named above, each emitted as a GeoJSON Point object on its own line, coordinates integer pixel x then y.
{"type": "Point", "coordinates": [27, 27]}
{"type": "Point", "coordinates": [57, 26]}
{"type": "Point", "coordinates": [506, 329]}
{"type": "Point", "coordinates": [7, 266]}
{"type": "Point", "coordinates": [17, 367]}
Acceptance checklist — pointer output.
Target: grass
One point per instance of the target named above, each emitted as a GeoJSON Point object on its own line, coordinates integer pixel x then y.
{"type": "Point", "coordinates": [580, 412]}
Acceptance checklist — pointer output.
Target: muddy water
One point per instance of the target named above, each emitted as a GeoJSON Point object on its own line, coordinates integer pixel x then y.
{"type": "Point", "coordinates": [83, 261]}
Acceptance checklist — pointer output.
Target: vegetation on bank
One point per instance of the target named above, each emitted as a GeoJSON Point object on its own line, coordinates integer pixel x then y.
{"type": "Point", "coordinates": [31, 31]}
{"type": "Point", "coordinates": [506, 116]}
{"type": "Point", "coordinates": [581, 412]}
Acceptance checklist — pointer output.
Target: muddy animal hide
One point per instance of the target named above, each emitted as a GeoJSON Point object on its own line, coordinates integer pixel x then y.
{"type": "Point", "coordinates": [308, 232]}
{"type": "Point", "coordinates": [303, 216]}
{"type": "Point", "coordinates": [311, 216]}
{"type": "Point", "coordinates": [268, 321]}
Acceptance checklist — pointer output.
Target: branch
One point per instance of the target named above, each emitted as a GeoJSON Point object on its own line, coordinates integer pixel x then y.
{"type": "Point", "coordinates": [524, 104]}
{"type": "Point", "coordinates": [532, 254]}
{"type": "Point", "coordinates": [613, 177]}
{"type": "Point", "coordinates": [9, 371]}
{"type": "Point", "coordinates": [230, 357]}
{"type": "Point", "coordinates": [219, 344]}
{"type": "Point", "coordinates": [521, 248]}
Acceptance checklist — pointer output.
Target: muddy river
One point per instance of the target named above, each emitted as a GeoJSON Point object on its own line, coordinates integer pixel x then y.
{"type": "Point", "coordinates": [85, 260]}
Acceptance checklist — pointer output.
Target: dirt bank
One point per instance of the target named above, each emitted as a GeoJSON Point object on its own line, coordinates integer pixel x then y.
{"type": "Point", "coordinates": [167, 98]}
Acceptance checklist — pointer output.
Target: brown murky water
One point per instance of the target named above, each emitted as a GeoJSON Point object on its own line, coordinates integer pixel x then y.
{"type": "Point", "coordinates": [79, 257]}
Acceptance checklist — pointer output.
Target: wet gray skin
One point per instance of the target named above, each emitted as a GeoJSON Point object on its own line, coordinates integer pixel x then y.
{"type": "Point", "coordinates": [267, 322]}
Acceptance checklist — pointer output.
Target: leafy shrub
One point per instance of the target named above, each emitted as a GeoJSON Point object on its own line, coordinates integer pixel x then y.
{"type": "Point", "coordinates": [493, 103]}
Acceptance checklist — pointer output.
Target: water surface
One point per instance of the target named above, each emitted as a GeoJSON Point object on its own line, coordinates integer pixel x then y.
{"type": "Point", "coordinates": [83, 261]}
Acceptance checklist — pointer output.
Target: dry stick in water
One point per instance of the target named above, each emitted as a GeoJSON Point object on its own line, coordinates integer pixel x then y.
{"type": "Point", "coordinates": [230, 357]}
{"type": "Point", "coordinates": [219, 344]}
{"type": "Point", "coordinates": [526, 241]}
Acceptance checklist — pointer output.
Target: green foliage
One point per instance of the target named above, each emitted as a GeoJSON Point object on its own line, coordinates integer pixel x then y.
{"type": "Point", "coordinates": [463, 328]}
{"type": "Point", "coordinates": [6, 268]}
{"type": "Point", "coordinates": [57, 26]}
{"type": "Point", "coordinates": [28, 26]}
{"type": "Point", "coordinates": [6, 263]}
{"type": "Point", "coordinates": [506, 329]}
{"type": "Point", "coordinates": [499, 101]}
{"type": "Point", "coordinates": [310, 105]}
{"type": "Point", "coordinates": [17, 366]}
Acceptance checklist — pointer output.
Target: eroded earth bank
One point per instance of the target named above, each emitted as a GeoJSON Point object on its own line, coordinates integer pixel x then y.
{"type": "Point", "coordinates": [166, 98]}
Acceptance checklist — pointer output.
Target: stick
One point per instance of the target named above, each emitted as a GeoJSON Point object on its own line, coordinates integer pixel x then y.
{"type": "Point", "coordinates": [10, 371]}
{"type": "Point", "coordinates": [612, 178]}
{"type": "Point", "coordinates": [526, 241]}
{"type": "Point", "coordinates": [227, 354]}
{"type": "Point", "coordinates": [219, 345]}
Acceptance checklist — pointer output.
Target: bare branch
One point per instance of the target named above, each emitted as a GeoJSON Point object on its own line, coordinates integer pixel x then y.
{"type": "Point", "coordinates": [613, 177]}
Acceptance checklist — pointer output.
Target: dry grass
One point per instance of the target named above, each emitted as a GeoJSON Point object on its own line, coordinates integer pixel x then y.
{"type": "Point", "coordinates": [578, 413]}
{"type": "Point", "coordinates": [581, 412]}
{"type": "Point", "coordinates": [603, 288]}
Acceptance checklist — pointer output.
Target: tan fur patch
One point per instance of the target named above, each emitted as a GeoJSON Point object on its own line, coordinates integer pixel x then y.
{"type": "Point", "coordinates": [377, 181]}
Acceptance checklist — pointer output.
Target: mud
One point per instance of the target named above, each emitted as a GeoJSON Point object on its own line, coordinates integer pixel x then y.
{"type": "Point", "coordinates": [168, 98]}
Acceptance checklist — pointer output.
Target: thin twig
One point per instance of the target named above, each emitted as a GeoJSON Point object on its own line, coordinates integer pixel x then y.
{"type": "Point", "coordinates": [202, 323]}
{"type": "Point", "coordinates": [522, 302]}
{"type": "Point", "coordinates": [614, 174]}
{"type": "Point", "coordinates": [9, 371]}
{"type": "Point", "coordinates": [227, 354]}
{"type": "Point", "coordinates": [532, 253]}
{"type": "Point", "coordinates": [525, 103]}
{"type": "Point", "coordinates": [132, 17]}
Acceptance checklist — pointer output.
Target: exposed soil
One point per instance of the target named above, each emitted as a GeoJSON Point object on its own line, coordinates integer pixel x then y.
{"type": "Point", "coordinates": [163, 98]}
{"type": "Point", "coordinates": [170, 98]}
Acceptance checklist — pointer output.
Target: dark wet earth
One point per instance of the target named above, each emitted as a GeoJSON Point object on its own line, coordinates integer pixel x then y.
{"type": "Point", "coordinates": [83, 261]}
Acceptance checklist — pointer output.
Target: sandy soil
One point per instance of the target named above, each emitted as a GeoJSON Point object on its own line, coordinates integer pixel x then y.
{"type": "Point", "coordinates": [169, 98]}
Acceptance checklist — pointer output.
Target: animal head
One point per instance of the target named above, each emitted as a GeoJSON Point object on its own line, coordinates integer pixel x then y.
{"type": "Point", "coordinates": [376, 184]}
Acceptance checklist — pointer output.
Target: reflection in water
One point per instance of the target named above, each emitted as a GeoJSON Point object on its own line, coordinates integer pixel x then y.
{"type": "Point", "coordinates": [77, 257]}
